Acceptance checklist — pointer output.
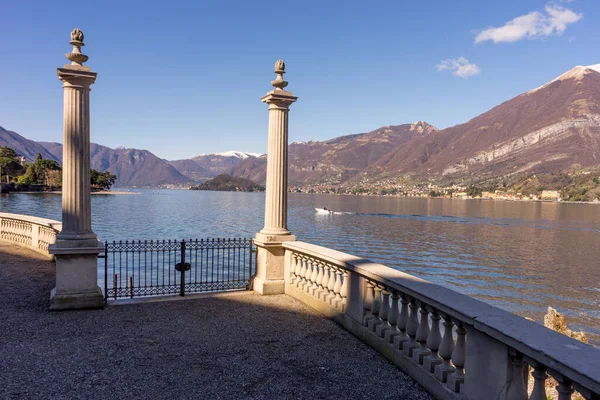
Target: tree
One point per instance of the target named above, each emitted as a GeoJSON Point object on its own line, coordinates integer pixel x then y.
{"type": "Point", "coordinates": [8, 166]}
{"type": "Point", "coordinates": [53, 178]}
{"type": "Point", "coordinates": [103, 180]}
{"type": "Point", "coordinates": [36, 172]}
{"type": "Point", "coordinates": [474, 191]}
{"type": "Point", "coordinates": [6, 151]}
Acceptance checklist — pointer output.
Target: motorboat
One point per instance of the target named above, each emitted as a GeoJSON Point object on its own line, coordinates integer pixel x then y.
{"type": "Point", "coordinates": [323, 210]}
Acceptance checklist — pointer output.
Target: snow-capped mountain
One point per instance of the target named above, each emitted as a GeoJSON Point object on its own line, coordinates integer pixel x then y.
{"type": "Point", "coordinates": [207, 166]}
{"type": "Point", "coordinates": [233, 153]}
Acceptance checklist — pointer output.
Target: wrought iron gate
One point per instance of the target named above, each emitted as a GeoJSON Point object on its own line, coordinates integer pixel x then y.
{"type": "Point", "coordinates": [153, 268]}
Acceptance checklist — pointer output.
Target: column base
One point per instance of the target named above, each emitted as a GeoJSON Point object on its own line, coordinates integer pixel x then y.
{"type": "Point", "coordinates": [269, 277]}
{"type": "Point", "coordinates": [268, 286]}
{"type": "Point", "coordinates": [268, 239]}
{"type": "Point", "coordinates": [76, 276]}
{"type": "Point", "coordinates": [76, 301]}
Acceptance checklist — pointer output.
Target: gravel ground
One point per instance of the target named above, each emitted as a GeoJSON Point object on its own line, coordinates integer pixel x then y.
{"type": "Point", "coordinates": [222, 347]}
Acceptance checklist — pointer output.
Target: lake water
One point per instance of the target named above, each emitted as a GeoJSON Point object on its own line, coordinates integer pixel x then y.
{"type": "Point", "coordinates": [519, 256]}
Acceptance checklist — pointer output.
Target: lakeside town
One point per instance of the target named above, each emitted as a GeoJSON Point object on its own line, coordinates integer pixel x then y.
{"type": "Point", "coordinates": [587, 192]}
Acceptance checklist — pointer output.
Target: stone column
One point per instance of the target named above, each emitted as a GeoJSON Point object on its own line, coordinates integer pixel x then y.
{"type": "Point", "coordinates": [76, 248]}
{"type": "Point", "coordinates": [269, 260]}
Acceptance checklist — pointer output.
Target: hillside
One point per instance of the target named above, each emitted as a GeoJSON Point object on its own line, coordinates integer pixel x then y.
{"type": "Point", "coordinates": [23, 146]}
{"type": "Point", "coordinates": [555, 127]}
{"type": "Point", "coordinates": [228, 183]}
{"type": "Point", "coordinates": [340, 159]}
{"type": "Point", "coordinates": [133, 167]}
{"type": "Point", "coordinates": [206, 166]}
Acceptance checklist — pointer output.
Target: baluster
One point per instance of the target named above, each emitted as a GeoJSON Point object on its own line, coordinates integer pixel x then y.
{"type": "Point", "coordinates": [384, 314]}
{"type": "Point", "coordinates": [433, 343]}
{"type": "Point", "coordinates": [293, 275]}
{"type": "Point", "coordinates": [517, 389]}
{"type": "Point", "coordinates": [422, 334]}
{"type": "Point", "coordinates": [446, 349]}
{"type": "Point", "coordinates": [564, 387]}
{"type": "Point", "coordinates": [376, 320]}
{"type": "Point", "coordinates": [586, 393]}
{"type": "Point", "coordinates": [302, 273]}
{"type": "Point", "coordinates": [411, 329]}
{"type": "Point", "coordinates": [331, 285]}
{"type": "Point", "coordinates": [337, 288]}
{"type": "Point", "coordinates": [344, 290]}
{"type": "Point", "coordinates": [402, 337]}
{"type": "Point", "coordinates": [392, 319]}
{"type": "Point", "coordinates": [313, 278]}
{"type": "Point", "coordinates": [458, 358]}
{"type": "Point", "coordinates": [539, 383]}
{"type": "Point", "coordinates": [308, 274]}
{"type": "Point", "coordinates": [368, 304]}
{"type": "Point", "coordinates": [325, 283]}
{"type": "Point", "coordinates": [298, 269]}
{"type": "Point", "coordinates": [319, 281]}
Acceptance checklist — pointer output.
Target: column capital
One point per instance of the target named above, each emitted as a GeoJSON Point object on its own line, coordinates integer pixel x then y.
{"type": "Point", "coordinates": [81, 76]}
{"type": "Point", "coordinates": [279, 99]}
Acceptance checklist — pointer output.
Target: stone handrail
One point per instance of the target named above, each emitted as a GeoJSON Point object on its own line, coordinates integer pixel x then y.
{"type": "Point", "coordinates": [36, 233]}
{"type": "Point", "coordinates": [455, 346]}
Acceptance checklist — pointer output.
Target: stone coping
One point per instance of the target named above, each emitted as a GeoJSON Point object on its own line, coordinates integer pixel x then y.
{"type": "Point", "coordinates": [50, 223]}
{"type": "Point", "coordinates": [575, 360]}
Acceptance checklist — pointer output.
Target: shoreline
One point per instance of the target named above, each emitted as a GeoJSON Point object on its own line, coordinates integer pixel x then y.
{"type": "Point", "coordinates": [454, 198]}
{"type": "Point", "coordinates": [107, 192]}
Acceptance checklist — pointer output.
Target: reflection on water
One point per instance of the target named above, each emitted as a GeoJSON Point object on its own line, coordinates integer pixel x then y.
{"type": "Point", "coordinates": [519, 256]}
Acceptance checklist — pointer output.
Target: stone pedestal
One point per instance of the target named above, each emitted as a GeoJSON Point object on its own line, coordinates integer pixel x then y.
{"type": "Point", "coordinates": [76, 248]}
{"type": "Point", "coordinates": [76, 278]}
{"type": "Point", "coordinates": [269, 277]}
{"type": "Point", "coordinates": [269, 260]}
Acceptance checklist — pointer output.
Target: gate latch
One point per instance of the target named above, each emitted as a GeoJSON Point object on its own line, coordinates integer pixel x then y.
{"type": "Point", "coordinates": [183, 266]}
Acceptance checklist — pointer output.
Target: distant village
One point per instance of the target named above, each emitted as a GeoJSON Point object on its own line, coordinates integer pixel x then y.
{"type": "Point", "coordinates": [391, 187]}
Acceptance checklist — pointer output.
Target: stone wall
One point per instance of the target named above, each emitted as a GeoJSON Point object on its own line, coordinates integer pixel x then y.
{"type": "Point", "coordinates": [25, 230]}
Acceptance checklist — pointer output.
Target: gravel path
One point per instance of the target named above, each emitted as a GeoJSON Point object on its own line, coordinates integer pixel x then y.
{"type": "Point", "coordinates": [222, 347]}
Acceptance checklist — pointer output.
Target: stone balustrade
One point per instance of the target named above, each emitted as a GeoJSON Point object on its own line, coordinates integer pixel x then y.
{"type": "Point", "coordinates": [453, 345]}
{"type": "Point", "coordinates": [36, 233]}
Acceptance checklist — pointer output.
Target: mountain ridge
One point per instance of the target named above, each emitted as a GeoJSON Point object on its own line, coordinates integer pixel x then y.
{"type": "Point", "coordinates": [555, 127]}
{"type": "Point", "coordinates": [537, 131]}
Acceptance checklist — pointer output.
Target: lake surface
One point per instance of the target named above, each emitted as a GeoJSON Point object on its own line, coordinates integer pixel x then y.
{"type": "Point", "coordinates": [519, 256]}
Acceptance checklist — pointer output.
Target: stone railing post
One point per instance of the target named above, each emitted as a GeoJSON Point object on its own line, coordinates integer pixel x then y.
{"type": "Point", "coordinates": [355, 302]}
{"type": "Point", "coordinates": [489, 367]}
{"type": "Point", "coordinates": [76, 248]}
{"type": "Point", "coordinates": [35, 235]}
{"type": "Point", "coordinates": [269, 260]}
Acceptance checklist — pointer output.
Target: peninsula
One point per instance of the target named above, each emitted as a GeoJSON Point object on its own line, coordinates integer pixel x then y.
{"type": "Point", "coordinates": [228, 183]}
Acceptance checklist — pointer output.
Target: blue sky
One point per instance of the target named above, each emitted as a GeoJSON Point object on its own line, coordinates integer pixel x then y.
{"type": "Point", "coordinates": [181, 78]}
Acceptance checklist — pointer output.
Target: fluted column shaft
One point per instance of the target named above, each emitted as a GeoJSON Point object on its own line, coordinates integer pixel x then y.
{"type": "Point", "coordinates": [277, 174]}
{"type": "Point", "coordinates": [76, 202]}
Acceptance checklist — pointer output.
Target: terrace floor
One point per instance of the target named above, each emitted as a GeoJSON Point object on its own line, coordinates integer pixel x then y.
{"type": "Point", "coordinates": [227, 346]}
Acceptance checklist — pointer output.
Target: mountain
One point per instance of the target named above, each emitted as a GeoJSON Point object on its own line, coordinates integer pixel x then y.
{"type": "Point", "coordinates": [340, 159]}
{"type": "Point", "coordinates": [24, 147]}
{"type": "Point", "coordinates": [555, 127]}
{"type": "Point", "coordinates": [207, 166]}
{"type": "Point", "coordinates": [237, 154]}
{"type": "Point", "coordinates": [135, 167]}
{"type": "Point", "coordinates": [132, 167]}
